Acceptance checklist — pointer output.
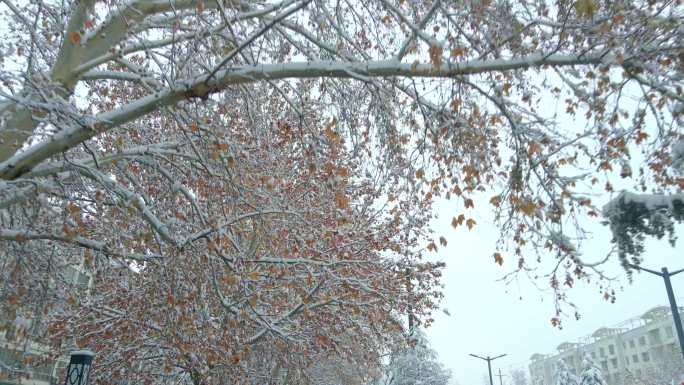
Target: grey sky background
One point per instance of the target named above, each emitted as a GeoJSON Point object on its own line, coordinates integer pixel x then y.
{"type": "Point", "coordinates": [489, 317]}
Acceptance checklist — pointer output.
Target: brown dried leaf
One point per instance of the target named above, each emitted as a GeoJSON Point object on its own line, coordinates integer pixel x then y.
{"type": "Point", "coordinates": [75, 37]}
{"type": "Point", "coordinates": [470, 223]}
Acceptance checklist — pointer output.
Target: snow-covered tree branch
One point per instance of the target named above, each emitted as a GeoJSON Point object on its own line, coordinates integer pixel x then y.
{"type": "Point", "coordinates": [263, 173]}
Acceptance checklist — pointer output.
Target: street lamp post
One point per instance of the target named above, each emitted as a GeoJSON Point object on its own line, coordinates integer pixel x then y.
{"type": "Point", "coordinates": [489, 364]}
{"type": "Point", "coordinates": [665, 274]}
{"type": "Point", "coordinates": [78, 371]}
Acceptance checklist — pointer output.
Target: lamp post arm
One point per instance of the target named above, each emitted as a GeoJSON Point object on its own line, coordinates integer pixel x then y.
{"type": "Point", "coordinates": [637, 267]}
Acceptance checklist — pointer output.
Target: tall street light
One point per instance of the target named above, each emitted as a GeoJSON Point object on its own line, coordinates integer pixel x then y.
{"type": "Point", "coordinates": [489, 364]}
{"type": "Point", "coordinates": [665, 274]}
{"type": "Point", "coordinates": [78, 371]}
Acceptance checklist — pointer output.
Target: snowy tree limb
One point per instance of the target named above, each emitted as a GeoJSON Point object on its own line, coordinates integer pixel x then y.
{"type": "Point", "coordinates": [203, 86]}
{"type": "Point", "coordinates": [24, 235]}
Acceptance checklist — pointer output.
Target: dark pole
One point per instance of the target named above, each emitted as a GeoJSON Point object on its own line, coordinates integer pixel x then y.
{"type": "Point", "coordinates": [489, 367]}
{"type": "Point", "coordinates": [78, 371]}
{"type": "Point", "coordinates": [674, 308]}
{"type": "Point", "coordinates": [489, 364]}
{"type": "Point", "coordinates": [665, 274]}
{"type": "Point", "coordinates": [501, 376]}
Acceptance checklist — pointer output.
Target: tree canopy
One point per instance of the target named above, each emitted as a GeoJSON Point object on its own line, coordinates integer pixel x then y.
{"type": "Point", "coordinates": [248, 185]}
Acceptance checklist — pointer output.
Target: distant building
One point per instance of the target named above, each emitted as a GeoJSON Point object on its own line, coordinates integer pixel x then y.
{"type": "Point", "coordinates": [13, 372]}
{"type": "Point", "coordinates": [22, 354]}
{"type": "Point", "coordinates": [629, 350]}
{"type": "Point", "coordinates": [23, 360]}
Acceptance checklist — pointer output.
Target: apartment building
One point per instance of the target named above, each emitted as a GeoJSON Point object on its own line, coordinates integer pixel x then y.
{"type": "Point", "coordinates": [22, 360]}
{"type": "Point", "coordinates": [13, 372]}
{"type": "Point", "coordinates": [642, 346]}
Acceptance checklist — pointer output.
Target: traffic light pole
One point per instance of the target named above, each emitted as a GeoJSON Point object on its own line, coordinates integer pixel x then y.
{"type": "Point", "coordinates": [665, 274]}
{"type": "Point", "coordinates": [489, 364]}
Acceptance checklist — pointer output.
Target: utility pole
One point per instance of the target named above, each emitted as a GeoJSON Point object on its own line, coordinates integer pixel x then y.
{"type": "Point", "coordinates": [501, 376]}
{"type": "Point", "coordinates": [489, 364]}
{"type": "Point", "coordinates": [665, 274]}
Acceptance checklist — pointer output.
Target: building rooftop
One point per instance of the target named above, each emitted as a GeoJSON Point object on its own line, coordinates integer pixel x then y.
{"type": "Point", "coordinates": [537, 356]}
{"type": "Point", "coordinates": [567, 345]}
{"type": "Point", "coordinates": [655, 313]}
{"type": "Point", "coordinates": [604, 332]}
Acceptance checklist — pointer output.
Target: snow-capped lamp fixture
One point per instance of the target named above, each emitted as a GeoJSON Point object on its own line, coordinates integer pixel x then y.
{"type": "Point", "coordinates": [78, 371]}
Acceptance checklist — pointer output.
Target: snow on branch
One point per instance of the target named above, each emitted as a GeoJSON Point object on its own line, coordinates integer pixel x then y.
{"type": "Point", "coordinates": [202, 86]}
{"type": "Point", "coordinates": [22, 235]}
{"type": "Point", "coordinates": [634, 216]}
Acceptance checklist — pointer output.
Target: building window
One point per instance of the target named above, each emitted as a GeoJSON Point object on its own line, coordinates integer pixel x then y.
{"type": "Point", "coordinates": [654, 337]}
{"type": "Point", "coordinates": [631, 344]}
{"type": "Point", "coordinates": [604, 365]}
{"type": "Point", "coordinates": [611, 349]}
{"type": "Point", "coordinates": [642, 341]}
{"type": "Point", "coordinates": [602, 352]}
{"type": "Point", "coordinates": [638, 372]}
{"type": "Point", "coordinates": [613, 362]}
{"type": "Point", "coordinates": [645, 357]}
{"type": "Point", "coordinates": [635, 358]}
{"type": "Point", "coordinates": [593, 355]}
{"type": "Point", "coordinates": [668, 332]}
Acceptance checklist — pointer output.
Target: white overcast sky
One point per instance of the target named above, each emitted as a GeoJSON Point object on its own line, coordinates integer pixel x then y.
{"type": "Point", "coordinates": [491, 318]}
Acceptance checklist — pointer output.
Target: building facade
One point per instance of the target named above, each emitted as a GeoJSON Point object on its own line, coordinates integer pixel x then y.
{"type": "Point", "coordinates": [643, 347]}
{"type": "Point", "coordinates": [22, 354]}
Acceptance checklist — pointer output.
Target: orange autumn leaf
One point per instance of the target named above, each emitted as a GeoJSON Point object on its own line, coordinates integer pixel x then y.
{"type": "Point", "coordinates": [435, 52]}
{"type": "Point", "coordinates": [455, 222]}
{"type": "Point", "coordinates": [498, 258]}
{"type": "Point", "coordinates": [342, 172]}
{"type": "Point", "coordinates": [495, 200]}
{"type": "Point", "coordinates": [75, 37]}
{"type": "Point", "coordinates": [341, 200]}
{"type": "Point", "coordinates": [470, 223]}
